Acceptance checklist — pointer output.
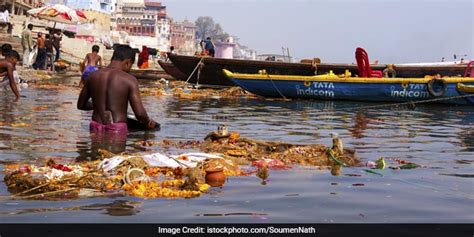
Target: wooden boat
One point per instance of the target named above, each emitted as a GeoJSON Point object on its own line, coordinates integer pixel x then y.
{"type": "Point", "coordinates": [150, 74]}
{"type": "Point", "coordinates": [173, 70]}
{"type": "Point", "coordinates": [334, 87]}
{"type": "Point", "coordinates": [211, 69]}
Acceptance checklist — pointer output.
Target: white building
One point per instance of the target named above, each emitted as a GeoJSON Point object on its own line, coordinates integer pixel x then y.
{"type": "Point", "coordinates": [141, 23]}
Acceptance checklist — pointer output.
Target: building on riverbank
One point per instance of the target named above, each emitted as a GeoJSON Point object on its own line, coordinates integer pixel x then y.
{"type": "Point", "coordinates": [20, 7]}
{"type": "Point", "coordinates": [140, 23]}
{"type": "Point", "coordinates": [97, 5]}
{"type": "Point", "coordinates": [183, 37]}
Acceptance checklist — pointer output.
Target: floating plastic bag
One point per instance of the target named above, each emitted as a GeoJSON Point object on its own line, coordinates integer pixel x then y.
{"type": "Point", "coordinates": [110, 164]}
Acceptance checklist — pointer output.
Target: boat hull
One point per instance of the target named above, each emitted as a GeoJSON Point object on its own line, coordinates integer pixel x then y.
{"type": "Point", "coordinates": [211, 71]}
{"type": "Point", "coordinates": [466, 90]}
{"type": "Point", "coordinates": [355, 89]}
{"type": "Point", "coordinates": [149, 74]}
{"type": "Point", "coordinates": [172, 70]}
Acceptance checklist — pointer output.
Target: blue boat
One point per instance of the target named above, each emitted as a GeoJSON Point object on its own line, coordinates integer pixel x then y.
{"type": "Point", "coordinates": [449, 90]}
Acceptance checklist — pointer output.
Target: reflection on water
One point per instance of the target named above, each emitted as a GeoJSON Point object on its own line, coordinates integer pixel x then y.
{"type": "Point", "coordinates": [116, 208]}
{"type": "Point", "coordinates": [439, 138]}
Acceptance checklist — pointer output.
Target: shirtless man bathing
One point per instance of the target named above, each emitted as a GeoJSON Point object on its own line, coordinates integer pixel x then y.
{"type": "Point", "coordinates": [7, 71]}
{"type": "Point", "coordinates": [92, 62]}
{"type": "Point", "coordinates": [111, 89]}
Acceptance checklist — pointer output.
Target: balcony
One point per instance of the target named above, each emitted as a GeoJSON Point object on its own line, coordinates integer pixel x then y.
{"type": "Point", "coordinates": [161, 15]}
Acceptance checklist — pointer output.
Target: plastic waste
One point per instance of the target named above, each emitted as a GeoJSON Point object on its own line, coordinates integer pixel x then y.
{"type": "Point", "coordinates": [160, 160]}
{"type": "Point", "coordinates": [61, 167]}
{"type": "Point", "coordinates": [409, 166]}
{"type": "Point", "coordinates": [54, 174]}
{"type": "Point", "coordinates": [188, 160]}
{"type": "Point", "coordinates": [110, 164]}
{"type": "Point", "coordinates": [378, 164]}
{"type": "Point", "coordinates": [373, 172]}
{"type": "Point", "coordinates": [370, 164]}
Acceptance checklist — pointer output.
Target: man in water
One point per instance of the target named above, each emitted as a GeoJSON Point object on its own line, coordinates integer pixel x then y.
{"type": "Point", "coordinates": [8, 66]}
{"type": "Point", "coordinates": [91, 62]}
{"type": "Point", "coordinates": [111, 89]}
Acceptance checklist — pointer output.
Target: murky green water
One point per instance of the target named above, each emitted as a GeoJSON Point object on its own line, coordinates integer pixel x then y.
{"type": "Point", "coordinates": [438, 137]}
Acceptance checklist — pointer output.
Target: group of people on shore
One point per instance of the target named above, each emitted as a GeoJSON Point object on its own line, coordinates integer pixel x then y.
{"type": "Point", "coordinates": [46, 47]}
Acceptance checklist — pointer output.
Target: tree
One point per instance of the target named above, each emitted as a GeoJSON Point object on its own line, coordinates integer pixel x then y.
{"type": "Point", "coordinates": [206, 27]}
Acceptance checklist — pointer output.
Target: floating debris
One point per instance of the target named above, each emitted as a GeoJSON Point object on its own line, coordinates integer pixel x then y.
{"type": "Point", "coordinates": [156, 175]}
{"type": "Point", "coordinates": [373, 172]}
{"type": "Point", "coordinates": [459, 175]}
{"type": "Point", "coordinates": [409, 166]}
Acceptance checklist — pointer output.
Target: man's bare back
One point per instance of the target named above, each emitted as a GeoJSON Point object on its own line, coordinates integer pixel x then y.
{"type": "Point", "coordinates": [111, 89]}
{"type": "Point", "coordinates": [93, 59]}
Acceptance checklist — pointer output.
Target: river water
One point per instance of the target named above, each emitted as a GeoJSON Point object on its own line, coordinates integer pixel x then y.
{"type": "Point", "coordinates": [440, 138]}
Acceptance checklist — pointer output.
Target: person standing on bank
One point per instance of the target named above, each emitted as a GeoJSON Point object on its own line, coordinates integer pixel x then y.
{"type": "Point", "coordinates": [49, 51]}
{"type": "Point", "coordinates": [57, 44]}
{"type": "Point", "coordinates": [40, 62]}
{"type": "Point", "coordinates": [27, 44]}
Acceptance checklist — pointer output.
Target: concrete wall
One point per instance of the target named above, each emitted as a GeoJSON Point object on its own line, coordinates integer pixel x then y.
{"type": "Point", "coordinates": [79, 48]}
{"type": "Point", "coordinates": [99, 26]}
{"type": "Point", "coordinates": [139, 41]}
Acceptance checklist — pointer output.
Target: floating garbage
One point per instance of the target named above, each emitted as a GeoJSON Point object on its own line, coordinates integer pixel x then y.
{"type": "Point", "coordinates": [378, 164]}
{"type": "Point", "coordinates": [263, 174]}
{"type": "Point", "coordinates": [409, 166]}
{"type": "Point", "coordinates": [143, 175]}
{"type": "Point", "coordinates": [158, 175]}
{"type": "Point", "coordinates": [271, 164]}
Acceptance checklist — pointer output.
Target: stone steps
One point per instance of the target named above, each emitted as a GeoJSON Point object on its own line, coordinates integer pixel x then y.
{"type": "Point", "coordinates": [14, 41]}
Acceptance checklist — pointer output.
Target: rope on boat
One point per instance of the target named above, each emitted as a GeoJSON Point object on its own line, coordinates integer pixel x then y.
{"type": "Point", "coordinates": [200, 66]}
{"type": "Point", "coordinates": [192, 73]}
{"type": "Point", "coordinates": [273, 83]}
{"type": "Point", "coordinates": [250, 114]}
